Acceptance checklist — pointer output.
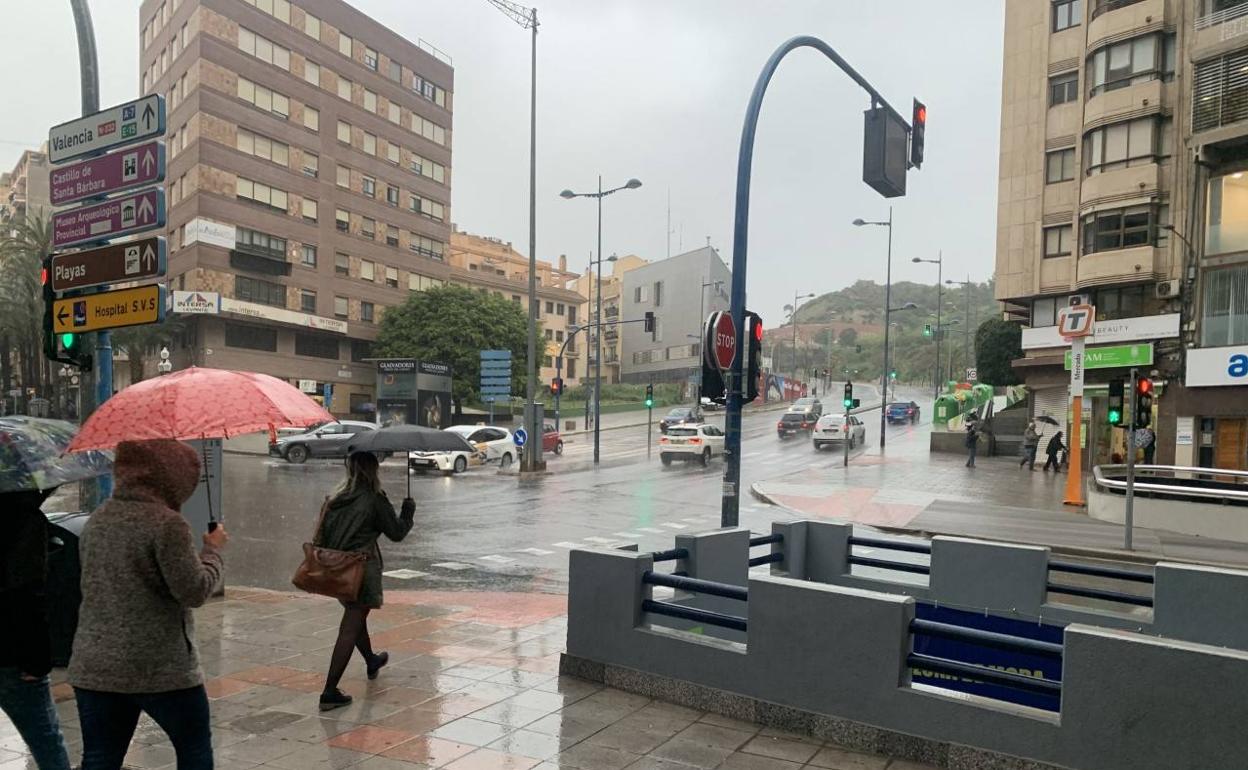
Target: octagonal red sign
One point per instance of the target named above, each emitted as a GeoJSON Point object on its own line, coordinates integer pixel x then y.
{"type": "Point", "coordinates": [725, 342]}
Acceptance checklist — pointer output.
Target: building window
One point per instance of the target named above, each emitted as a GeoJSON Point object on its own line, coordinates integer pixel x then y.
{"type": "Point", "coordinates": [1067, 14]}
{"type": "Point", "coordinates": [370, 59]}
{"type": "Point", "coordinates": [370, 143]}
{"type": "Point", "coordinates": [312, 72]}
{"type": "Point", "coordinates": [263, 49]}
{"type": "Point", "coordinates": [1226, 227]}
{"type": "Point", "coordinates": [658, 293]}
{"type": "Point", "coordinates": [370, 100]}
{"type": "Point", "coordinates": [311, 164]}
{"type": "Point", "coordinates": [307, 301]}
{"type": "Point", "coordinates": [263, 98]}
{"type": "Point", "coordinates": [1059, 240]}
{"type": "Point", "coordinates": [1103, 6]}
{"type": "Point", "coordinates": [1124, 302]}
{"type": "Point", "coordinates": [394, 114]}
{"type": "Point", "coordinates": [428, 247]}
{"type": "Point", "coordinates": [370, 187]}
{"type": "Point", "coordinates": [263, 147]}
{"type": "Point", "coordinates": [427, 168]}
{"type": "Point", "coordinates": [260, 292]}
{"type": "Point", "coordinates": [366, 312]}
{"type": "Point", "coordinates": [1132, 61]}
{"type": "Point", "coordinates": [1224, 320]}
{"type": "Point", "coordinates": [368, 227]}
{"type": "Point", "coordinates": [571, 315]}
{"type": "Point", "coordinates": [279, 9]}
{"type": "Point", "coordinates": [395, 70]}
{"type": "Point", "coordinates": [1059, 166]}
{"type": "Point", "coordinates": [1220, 92]}
{"type": "Point", "coordinates": [311, 118]}
{"type": "Point", "coordinates": [1044, 312]}
{"type": "Point", "coordinates": [263, 194]}
{"type": "Point", "coordinates": [342, 220]}
{"type": "Point", "coordinates": [341, 305]}
{"type": "Point", "coordinates": [309, 209]}
{"type": "Point", "coordinates": [1063, 88]}
{"type": "Point", "coordinates": [428, 129]}
{"type": "Point", "coordinates": [368, 270]}
{"type": "Point", "coordinates": [342, 264]}
{"type": "Point", "coordinates": [311, 26]}
{"type": "Point", "coordinates": [361, 350]}
{"type": "Point", "coordinates": [392, 153]}
{"type": "Point", "coordinates": [343, 176]}
{"type": "Point", "coordinates": [344, 132]}
{"type": "Point", "coordinates": [344, 45]}
{"type": "Point", "coordinates": [392, 195]}
{"type": "Point", "coordinates": [1118, 229]}
{"type": "Point", "coordinates": [307, 255]}
{"type": "Point", "coordinates": [250, 337]}
{"type": "Point", "coordinates": [316, 345]}
{"type": "Point", "coordinates": [392, 238]}
{"type": "Point", "coordinates": [1131, 143]}
{"type": "Point", "coordinates": [344, 88]}
{"type": "Point", "coordinates": [417, 282]}
{"type": "Point", "coordinates": [640, 295]}
{"type": "Point", "coordinates": [256, 242]}
{"type": "Point", "coordinates": [550, 308]}
{"type": "Point", "coordinates": [392, 274]}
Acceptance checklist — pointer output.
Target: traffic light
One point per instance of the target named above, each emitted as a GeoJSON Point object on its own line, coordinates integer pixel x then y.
{"type": "Point", "coordinates": [67, 347]}
{"type": "Point", "coordinates": [712, 384]}
{"type": "Point", "coordinates": [848, 400]}
{"type": "Point", "coordinates": [857, 348]}
{"type": "Point", "coordinates": [927, 330]}
{"type": "Point", "coordinates": [556, 386]}
{"type": "Point", "coordinates": [1143, 402]}
{"type": "Point", "coordinates": [753, 364]}
{"type": "Point", "coordinates": [648, 324]}
{"type": "Point", "coordinates": [649, 396]}
{"type": "Point", "coordinates": [918, 126]}
{"type": "Point", "coordinates": [892, 375]}
{"type": "Point", "coordinates": [1115, 402]}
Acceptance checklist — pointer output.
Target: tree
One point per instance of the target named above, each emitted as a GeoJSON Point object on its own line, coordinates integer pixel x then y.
{"type": "Point", "coordinates": [139, 342]}
{"type": "Point", "coordinates": [452, 325]}
{"type": "Point", "coordinates": [997, 344]}
{"type": "Point", "coordinates": [22, 250]}
{"type": "Point", "coordinates": [849, 336]}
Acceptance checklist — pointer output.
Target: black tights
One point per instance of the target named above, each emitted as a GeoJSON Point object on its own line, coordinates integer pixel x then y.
{"type": "Point", "coordinates": [352, 635]}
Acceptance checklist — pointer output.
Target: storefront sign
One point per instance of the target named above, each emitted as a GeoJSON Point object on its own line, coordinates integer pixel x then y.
{"type": "Point", "coordinates": [206, 231]}
{"type": "Point", "coordinates": [307, 386]}
{"type": "Point", "coordinates": [1184, 430]}
{"type": "Point", "coordinates": [1215, 367]}
{"type": "Point", "coordinates": [196, 302]}
{"type": "Point", "coordinates": [1152, 327]}
{"type": "Point", "coordinates": [1114, 356]}
{"type": "Point", "coordinates": [252, 310]}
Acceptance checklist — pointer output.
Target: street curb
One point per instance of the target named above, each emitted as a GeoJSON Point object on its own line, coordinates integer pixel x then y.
{"type": "Point", "coordinates": [1150, 558]}
{"type": "Point", "coordinates": [761, 409]}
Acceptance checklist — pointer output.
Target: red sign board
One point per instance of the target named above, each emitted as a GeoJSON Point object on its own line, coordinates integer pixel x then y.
{"type": "Point", "coordinates": [725, 341]}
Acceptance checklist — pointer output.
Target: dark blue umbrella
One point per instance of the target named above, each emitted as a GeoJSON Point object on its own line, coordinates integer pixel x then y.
{"type": "Point", "coordinates": [31, 455]}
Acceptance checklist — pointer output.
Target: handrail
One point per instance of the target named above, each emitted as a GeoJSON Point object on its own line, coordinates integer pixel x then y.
{"type": "Point", "coordinates": [670, 554]}
{"type": "Point", "coordinates": [775, 537]}
{"type": "Point", "coordinates": [770, 558]}
{"type": "Point", "coordinates": [696, 585]}
{"type": "Point", "coordinates": [900, 566]}
{"type": "Point", "coordinates": [1103, 480]}
{"type": "Point", "coordinates": [1101, 593]}
{"type": "Point", "coordinates": [891, 545]}
{"type": "Point", "coordinates": [984, 674]}
{"type": "Point", "coordinates": [1104, 6]}
{"type": "Point", "coordinates": [694, 614]}
{"type": "Point", "coordinates": [1105, 572]}
{"type": "Point", "coordinates": [1218, 17]}
{"type": "Point", "coordinates": [985, 638]}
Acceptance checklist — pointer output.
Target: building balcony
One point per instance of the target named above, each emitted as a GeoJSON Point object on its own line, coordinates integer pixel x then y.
{"type": "Point", "coordinates": [1141, 263]}
{"type": "Point", "coordinates": [1111, 18]}
{"type": "Point", "coordinates": [259, 261]}
{"type": "Point", "coordinates": [1055, 274]}
{"type": "Point", "coordinates": [1214, 14]}
{"type": "Point", "coordinates": [1117, 183]}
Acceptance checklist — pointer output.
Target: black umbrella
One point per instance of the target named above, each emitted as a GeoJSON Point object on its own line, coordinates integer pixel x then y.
{"type": "Point", "coordinates": [31, 455]}
{"type": "Point", "coordinates": [408, 438]}
{"type": "Point", "coordinates": [1047, 419]}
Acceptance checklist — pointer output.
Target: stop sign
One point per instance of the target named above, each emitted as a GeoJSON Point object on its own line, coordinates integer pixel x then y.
{"type": "Point", "coordinates": [725, 341]}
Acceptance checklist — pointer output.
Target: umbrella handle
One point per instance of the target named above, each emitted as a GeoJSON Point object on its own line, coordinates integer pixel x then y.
{"type": "Point", "coordinates": [203, 448]}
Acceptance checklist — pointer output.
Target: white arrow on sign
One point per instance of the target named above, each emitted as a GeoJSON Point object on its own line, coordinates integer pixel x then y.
{"type": "Point", "coordinates": [146, 211]}
{"type": "Point", "coordinates": [148, 160]}
{"type": "Point", "coordinates": [149, 257]}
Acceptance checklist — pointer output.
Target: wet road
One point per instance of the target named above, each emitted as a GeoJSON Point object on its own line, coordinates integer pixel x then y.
{"type": "Point", "coordinates": [485, 530]}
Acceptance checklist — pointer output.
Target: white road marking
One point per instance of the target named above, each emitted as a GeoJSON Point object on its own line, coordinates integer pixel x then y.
{"type": "Point", "coordinates": [535, 551]}
{"type": "Point", "coordinates": [694, 519]}
{"type": "Point", "coordinates": [673, 525]}
{"type": "Point", "coordinates": [566, 544]}
{"type": "Point", "coordinates": [453, 565]}
{"type": "Point", "coordinates": [651, 530]}
{"type": "Point", "coordinates": [404, 574]}
{"type": "Point", "coordinates": [601, 540]}
{"type": "Point", "coordinates": [628, 535]}
{"type": "Point", "coordinates": [496, 559]}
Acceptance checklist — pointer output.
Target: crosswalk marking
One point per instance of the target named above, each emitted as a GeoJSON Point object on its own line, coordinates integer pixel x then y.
{"type": "Point", "coordinates": [628, 535]}
{"type": "Point", "coordinates": [452, 565]}
{"type": "Point", "coordinates": [534, 551]}
{"type": "Point", "coordinates": [651, 530]}
{"type": "Point", "coordinates": [673, 525]}
{"type": "Point", "coordinates": [601, 540]}
{"type": "Point", "coordinates": [566, 544]}
{"type": "Point", "coordinates": [405, 574]}
{"type": "Point", "coordinates": [496, 559]}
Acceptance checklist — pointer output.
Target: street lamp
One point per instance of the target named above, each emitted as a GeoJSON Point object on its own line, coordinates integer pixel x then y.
{"type": "Point", "coordinates": [888, 299]}
{"type": "Point", "coordinates": [631, 184]}
{"type": "Point", "coordinates": [793, 321]}
{"type": "Point", "coordinates": [940, 290]}
{"type": "Point", "coordinates": [970, 319]}
{"type": "Point", "coordinates": [165, 366]}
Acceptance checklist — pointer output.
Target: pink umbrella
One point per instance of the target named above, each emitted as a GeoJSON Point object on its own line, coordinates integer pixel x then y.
{"type": "Point", "coordinates": [195, 404]}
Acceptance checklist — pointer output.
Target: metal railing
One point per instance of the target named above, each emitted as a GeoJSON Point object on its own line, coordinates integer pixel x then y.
{"type": "Point", "coordinates": [770, 558]}
{"type": "Point", "coordinates": [1194, 484]}
{"type": "Point", "coordinates": [694, 585]}
{"type": "Point", "coordinates": [889, 545]}
{"type": "Point", "coordinates": [991, 639]}
{"type": "Point", "coordinates": [984, 674]}
{"type": "Point", "coordinates": [671, 554]}
{"type": "Point", "coordinates": [1224, 15]}
{"type": "Point", "coordinates": [1104, 6]}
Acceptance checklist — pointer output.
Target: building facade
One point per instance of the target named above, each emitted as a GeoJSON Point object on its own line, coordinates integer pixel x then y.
{"type": "Point", "coordinates": [493, 265]}
{"type": "Point", "coordinates": [24, 191]}
{"type": "Point", "coordinates": [681, 291]}
{"type": "Point", "coordinates": [1096, 182]}
{"type": "Point", "coordinates": [586, 285]}
{"type": "Point", "coordinates": [309, 181]}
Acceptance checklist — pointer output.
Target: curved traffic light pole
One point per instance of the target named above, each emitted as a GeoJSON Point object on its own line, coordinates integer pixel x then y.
{"type": "Point", "coordinates": [563, 348]}
{"type": "Point", "coordinates": [729, 505]}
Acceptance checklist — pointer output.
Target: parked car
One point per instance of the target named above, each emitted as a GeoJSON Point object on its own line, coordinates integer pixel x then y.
{"type": "Point", "coordinates": [836, 428]}
{"type": "Point", "coordinates": [698, 442]}
{"type": "Point", "coordinates": [681, 415]}
{"type": "Point", "coordinates": [551, 440]}
{"type": "Point", "coordinates": [326, 440]}
{"type": "Point", "coordinates": [792, 423]}
{"type": "Point", "coordinates": [902, 412]}
{"type": "Point", "coordinates": [708, 405]}
{"type": "Point", "coordinates": [808, 405]}
{"type": "Point", "coordinates": [491, 444]}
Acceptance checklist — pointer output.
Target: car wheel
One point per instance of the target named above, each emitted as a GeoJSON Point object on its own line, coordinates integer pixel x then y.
{"type": "Point", "coordinates": [851, 442]}
{"type": "Point", "coordinates": [506, 461]}
{"type": "Point", "coordinates": [665, 458]}
{"type": "Point", "coordinates": [818, 446]}
{"type": "Point", "coordinates": [559, 447]}
{"type": "Point", "coordinates": [297, 454]}
{"type": "Point", "coordinates": [461, 464]}
{"type": "Point", "coordinates": [706, 457]}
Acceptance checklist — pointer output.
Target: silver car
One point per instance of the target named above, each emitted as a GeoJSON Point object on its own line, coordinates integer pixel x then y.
{"type": "Point", "coordinates": [327, 440]}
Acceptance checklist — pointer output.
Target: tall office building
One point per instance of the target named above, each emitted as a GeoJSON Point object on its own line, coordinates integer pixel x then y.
{"type": "Point", "coordinates": [309, 181]}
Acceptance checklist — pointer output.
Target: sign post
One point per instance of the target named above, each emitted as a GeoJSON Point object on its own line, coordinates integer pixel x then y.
{"type": "Point", "coordinates": [495, 377]}
{"type": "Point", "coordinates": [1075, 324]}
{"type": "Point", "coordinates": [1129, 504]}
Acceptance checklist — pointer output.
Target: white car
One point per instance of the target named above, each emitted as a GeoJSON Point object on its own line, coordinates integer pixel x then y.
{"type": "Point", "coordinates": [698, 442]}
{"type": "Point", "coordinates": [834, 428]}
{"type": "Point", "coordinates": [491, 444]}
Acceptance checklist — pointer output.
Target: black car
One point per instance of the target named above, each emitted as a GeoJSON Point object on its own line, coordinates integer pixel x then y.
{"type": "Point", "coordinates": [792, 423]}
{"type": "Point", "coordinates": [681, 415]}
{"type": "Point", "coordinates": [902, 412]}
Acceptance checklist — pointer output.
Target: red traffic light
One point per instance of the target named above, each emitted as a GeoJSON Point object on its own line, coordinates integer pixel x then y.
{"type": "Point", "coordinates": [758, 331]}
{"type": "Point", "coordinates": [1144, 386]}
{"type": "Point", "coordinates": [920, 115]}
{"type": "Point", "coordinates": [43, 276]}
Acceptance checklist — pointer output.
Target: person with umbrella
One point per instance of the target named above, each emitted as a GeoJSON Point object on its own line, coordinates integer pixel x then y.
{"type": "Point", "coordinates": [1054, 449]}
{"type": "Point", "coordinates": [31, 468]}
{"type": "Point", "coordinates": [1031, 442]}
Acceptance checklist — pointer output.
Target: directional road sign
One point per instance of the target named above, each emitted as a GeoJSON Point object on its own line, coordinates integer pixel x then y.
{"type": "Point", "coordinates": [110, 309]}
{"type": "Point", "coordinates": [496, 355]}
{"type": "Point", "coordinates": [114, 127]}
{"type": "Point", "coordinates": [135, 213]}
{"type": "Point", "coordinates": [119, 262]}
{"type": "Point", "coordinates": [97, 177]}
{"type": "Point", "coordinates": [521, 436]}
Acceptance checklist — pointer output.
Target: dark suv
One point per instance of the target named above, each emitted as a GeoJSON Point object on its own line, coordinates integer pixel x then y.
{"type": "Point", "coordinates": [681, 415]}
{"type": "Point", "coordinates": [792, 423]}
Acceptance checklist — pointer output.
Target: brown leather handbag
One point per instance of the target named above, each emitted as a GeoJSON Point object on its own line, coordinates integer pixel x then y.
{"type": "Point", "coordinates": [329, 572]}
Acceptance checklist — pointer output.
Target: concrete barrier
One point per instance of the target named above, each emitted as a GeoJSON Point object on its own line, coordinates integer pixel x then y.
{"type": "Point", "coordinates": [1211, 519]}
{"type": "Point", "coordinates": [831, 661]}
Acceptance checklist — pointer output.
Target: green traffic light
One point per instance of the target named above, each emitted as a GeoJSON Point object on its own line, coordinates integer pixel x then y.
{"type": "Point", "coordinates": [1115, 417]}
{"type": "Point", "coordinates": [67, 339]}
{"type": "Point", "coordinates": [649, 402]}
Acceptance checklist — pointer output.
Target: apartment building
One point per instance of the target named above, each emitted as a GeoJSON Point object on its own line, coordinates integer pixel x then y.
{"type": "Point", "coordinates": [24, 191]}
{"type": "Point", "coordinates": [309, 181]}
{"type": "Point", "coordinates": [1094, 173]}
{"type": "Point", "coordinates": [492, 265]}
{"type": "Point", "coordinates": [681, 291]}
{"type": "Point", "coordinates": [586, 285]}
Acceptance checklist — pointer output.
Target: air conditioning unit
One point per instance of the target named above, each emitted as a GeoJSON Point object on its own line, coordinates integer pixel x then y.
{"type": "Point", "coordinates": [1167, 289]}
{"type": "Point", "coordinates": [1080, 299]}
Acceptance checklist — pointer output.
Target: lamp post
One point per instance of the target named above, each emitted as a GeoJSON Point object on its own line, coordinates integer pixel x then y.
{"type": "Point", "coordinates": [888, 299]}
{"type": "Point", "coordinates": [793, 321]}
{"type": "Point", "coordinates": [970, 320]}
{"type": "Point", "coordinates": [165, 366]}
{"type": "Point", "coordinates": [940, 290]}
{"type": "Point", "coordinates": [631, 184]}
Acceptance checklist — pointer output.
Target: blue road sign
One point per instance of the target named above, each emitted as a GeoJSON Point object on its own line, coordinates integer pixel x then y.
{"type": "Point", "coordinates": [487, 381]}
{"type": "Point", "coordinates": [487, 355]}
{"type": "Point", "coordinates": [520, 436]}
{"type": "Point", "coordinates": [496, 390]}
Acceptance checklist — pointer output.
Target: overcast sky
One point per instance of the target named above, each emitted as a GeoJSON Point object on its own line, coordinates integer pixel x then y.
{"type": "Point", "coordinates": [657, 89]}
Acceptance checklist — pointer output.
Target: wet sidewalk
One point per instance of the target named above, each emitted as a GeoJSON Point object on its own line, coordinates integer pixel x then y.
{"type": "Point", "coordinates": [472, 685]}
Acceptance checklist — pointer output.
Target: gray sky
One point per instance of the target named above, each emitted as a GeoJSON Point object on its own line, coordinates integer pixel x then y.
{"type": "Point", "coordinates": [657, 89]}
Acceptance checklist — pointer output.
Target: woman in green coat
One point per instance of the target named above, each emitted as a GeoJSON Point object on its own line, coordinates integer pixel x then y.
{"type": "Point", "coordinates": [356, 515]}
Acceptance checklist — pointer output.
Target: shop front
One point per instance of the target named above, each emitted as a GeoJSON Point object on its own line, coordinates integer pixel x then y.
{"type": "Point", "coordinates": [1212, 409]}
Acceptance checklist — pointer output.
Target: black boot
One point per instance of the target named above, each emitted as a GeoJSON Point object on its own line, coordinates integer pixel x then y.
{"type": "Point", "coordinates": [332, 699]}
{"type": "Point", "coordinates": [378, 662]}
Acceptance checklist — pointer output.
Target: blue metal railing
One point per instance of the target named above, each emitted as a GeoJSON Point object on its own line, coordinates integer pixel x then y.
{"type": "Point", "coordinates": [694, 585]}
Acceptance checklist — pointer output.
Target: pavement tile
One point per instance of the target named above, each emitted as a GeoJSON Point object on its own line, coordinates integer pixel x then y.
{"type": "Point", "coordinates": [474, 732]}
{"type": "Point", "coordinates": [842, 759]}
{"type": "Point", "coordinates": [692, 752]}
{"type": "Point", "coordinates": [630, 738]}
{"type": "Point", "coordinates": [223, 687]}
{"type": "Point", "coordinates": [455, 704]}
{"type": "Point", "coordinates": [488, 759]}
{"type": "Point", "coordinates": [780, 748]}
{"type": "Point", "coordinates": [319, 758]}
{"type": "Point", "coordinates": [264, 722]}
{"type": "Point", "coordinates": [587, 756]}
{"type": "Point", "coordinates": [144, 757]}
{"type": "Point", "coordinates": [741, 761]}
{"type": "Point", "coordinates": [369, 739]}
{"type": "Point", "coordinates": [428, 751]}
{"type": "Point", "coordinates": [527, 743]}
{"type": "Point", "coordinates": [718, 737]}
{"type": "Point", "coordinates": [386, 763]}
{"type": "Point", "coordinates": [508, 714]}
{"type": "Point", "coordinates": [256, 750]}
{"type": "Point", "coordinates": [563, 726]}
{"type": "Point", "coordinates": [416, 721]}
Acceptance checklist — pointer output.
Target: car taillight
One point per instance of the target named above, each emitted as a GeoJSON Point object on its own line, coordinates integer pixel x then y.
{"type": "Point", "coordinates": [780, 424]}
{"type": "Point", "coordinates": [662, 439]}
{"type": "Point", "coordinates": [695, 441]}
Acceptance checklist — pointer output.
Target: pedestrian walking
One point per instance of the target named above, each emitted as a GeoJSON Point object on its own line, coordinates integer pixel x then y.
{"type": "Point", "coordinates": [1054, 451]}
{"type": "Point", "coordinates": [353, 518]}
{"type": "Point", "coordinates": [141, 576]}
{"type": "Point", "coordinates": [25, 649]}
{"type": "Point", "coordinates": [972, 440]}
{"type": "Point", "coordinates": [1031, 442]}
